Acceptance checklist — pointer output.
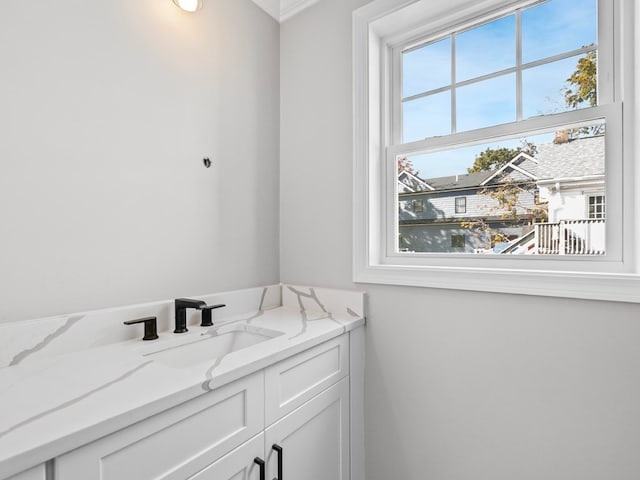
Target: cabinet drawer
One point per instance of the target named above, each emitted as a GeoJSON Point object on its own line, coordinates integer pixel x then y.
{"type": "Point", "coordinates": [291, 382]}
{"type": "Point", "coordinates": [174, 444]}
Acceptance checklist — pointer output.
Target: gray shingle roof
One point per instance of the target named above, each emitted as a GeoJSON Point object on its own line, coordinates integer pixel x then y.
{"type": "Point", "coordinates": [476, 179]}
{"type": "Point", "coordinates": [580, 157]}
{"type": "Point", "coordinates": [466, 180]}
{"type": "Point", "coordinates": [577, 158]}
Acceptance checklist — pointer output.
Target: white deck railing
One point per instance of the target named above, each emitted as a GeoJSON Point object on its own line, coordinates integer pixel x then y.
{"type": "Point", "coordinates": [570, 237]}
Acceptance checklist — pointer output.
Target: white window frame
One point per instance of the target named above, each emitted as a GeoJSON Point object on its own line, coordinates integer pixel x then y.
{"type": "Point", "coordinates": [603, 203]}
{"type": "Point", "coordinates": [383, 25]}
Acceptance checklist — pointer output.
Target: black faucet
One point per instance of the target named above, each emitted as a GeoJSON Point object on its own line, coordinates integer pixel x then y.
{"type": "Point", "coordinates": [181, 313]}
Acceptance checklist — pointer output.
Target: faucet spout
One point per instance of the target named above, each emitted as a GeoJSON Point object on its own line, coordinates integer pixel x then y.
{"type": "Point", "coordinates": [181, 305]}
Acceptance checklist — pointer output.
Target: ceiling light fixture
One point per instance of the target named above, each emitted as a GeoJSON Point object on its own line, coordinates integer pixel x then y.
{"type": "Point", "coordinates": [189, 5]}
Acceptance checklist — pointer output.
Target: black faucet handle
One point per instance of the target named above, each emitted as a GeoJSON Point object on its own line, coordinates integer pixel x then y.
{"type": "Point", "coordinates": [150, 327]}
{"type": "Point", "coordinates": [206, 314]}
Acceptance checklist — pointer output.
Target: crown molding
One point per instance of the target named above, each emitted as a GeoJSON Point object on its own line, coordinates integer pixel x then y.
{"type": "Point", "coordinates": [282, 10]}
{"type": "Point", "coordinates": [289, 8]}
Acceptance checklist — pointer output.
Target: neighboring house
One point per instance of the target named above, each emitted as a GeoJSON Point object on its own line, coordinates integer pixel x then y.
{"type": "Point", "coordinates": [458, 213]}
{"type": "Point", "coordinates": [572, 181]}
{"type": "Point", "coordinates": [572, 178]}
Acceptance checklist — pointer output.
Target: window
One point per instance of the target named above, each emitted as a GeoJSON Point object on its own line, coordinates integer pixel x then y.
{"type": "Point", "coordinates": [417, 206]}
{"type": "Point", "coordinates": [457, 241]}
{"type": "Point", "coordinates": [461, 205]}
{"type": "Point", "coordinates": [494, 71]}
{"type": "Point", "coordinates": [596, 206]}
{"type": "Point", "coordinates": [513, 105]}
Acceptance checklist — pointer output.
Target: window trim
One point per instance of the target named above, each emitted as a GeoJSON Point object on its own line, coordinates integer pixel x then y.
{"type": "Point", "coordinates": [459, 210]}
{"type": "Point", "coordinates": [372, 32]}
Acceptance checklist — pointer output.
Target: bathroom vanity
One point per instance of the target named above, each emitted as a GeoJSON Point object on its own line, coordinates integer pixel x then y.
{"type": "Point", "coordinates": [280, 396]}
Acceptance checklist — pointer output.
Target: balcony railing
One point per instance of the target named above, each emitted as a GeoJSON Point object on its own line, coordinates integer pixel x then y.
{"type": "Point", "coordinates": [570, 237]}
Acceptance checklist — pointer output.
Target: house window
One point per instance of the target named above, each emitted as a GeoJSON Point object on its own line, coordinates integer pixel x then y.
{"type": "Point", "coordinates": [417, 206]}
{"type": "Point", "coordinates": [596, 206]}
{"type": "Point", "coordinates": [457, 241]}
{"type": "Point", "coordinates": [517, 104]}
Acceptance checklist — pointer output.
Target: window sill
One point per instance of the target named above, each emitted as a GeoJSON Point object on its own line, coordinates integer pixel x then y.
{"type": "Point", "coordinates": [615, 287]}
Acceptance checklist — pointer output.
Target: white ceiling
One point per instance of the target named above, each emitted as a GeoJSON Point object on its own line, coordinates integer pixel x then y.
{"type": "Point", "coordinates": [282, 10]}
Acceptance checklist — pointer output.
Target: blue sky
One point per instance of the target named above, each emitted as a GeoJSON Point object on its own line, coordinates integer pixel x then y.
{"type": "Point", "coordinates": [548, 29]}
{"type": "Point", "coordinates": [456, 162]}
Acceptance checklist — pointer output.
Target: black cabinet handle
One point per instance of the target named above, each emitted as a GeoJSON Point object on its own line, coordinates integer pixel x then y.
{"type": "Point", "coordinates": [258, 461]}
{"type": "Point", "coordinates": [280, 453]}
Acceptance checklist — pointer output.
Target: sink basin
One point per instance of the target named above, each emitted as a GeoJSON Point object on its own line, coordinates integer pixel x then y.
{"type": "Point", "coordinates": [193, 349]}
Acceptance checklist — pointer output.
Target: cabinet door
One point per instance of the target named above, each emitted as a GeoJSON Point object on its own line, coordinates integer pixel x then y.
{"type": "Point", "coordinates": [314, 438]}
{"type": "Point", "coordinates": [177, 443]}
{"type": "Point", "coordinates": [238, 464]}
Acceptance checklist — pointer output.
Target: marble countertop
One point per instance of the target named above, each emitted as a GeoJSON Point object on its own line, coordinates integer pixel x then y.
{"type": "Point", "coordinates": [52, 401]}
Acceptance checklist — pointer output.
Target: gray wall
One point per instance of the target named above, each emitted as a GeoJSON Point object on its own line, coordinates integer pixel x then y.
{"type": "Point", "coordinates": [107, 108]}
{"type": "Point", "coordinates": [459, 385]}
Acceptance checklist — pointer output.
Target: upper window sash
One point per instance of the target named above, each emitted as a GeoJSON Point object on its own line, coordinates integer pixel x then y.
{"type": "Point", "coordinates": [608, 81]}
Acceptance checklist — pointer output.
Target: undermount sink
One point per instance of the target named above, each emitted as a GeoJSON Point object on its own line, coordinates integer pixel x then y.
{"type": "Point", "coordinates": [193, 349]}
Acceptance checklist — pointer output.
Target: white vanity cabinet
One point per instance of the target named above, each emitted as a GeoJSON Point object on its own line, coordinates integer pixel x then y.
{"type": "Point", "coordinates": [174, 444]}
{"type": "Point", "coordinates": [300, 404]}
{"type": "Point", "coordinates": [35, 473]}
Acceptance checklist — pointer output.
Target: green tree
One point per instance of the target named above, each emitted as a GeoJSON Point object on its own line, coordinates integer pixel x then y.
{"type": "Point", "coordinates": [582, 90]}
{"type": "Point", "coordinates": [507, 204]}
{"type": "Point", "coordinates": [506, 197]}
{"type": "Point", "coordinates": [494, 158]}
{"type": "Point", "coordinates": [583, 82]}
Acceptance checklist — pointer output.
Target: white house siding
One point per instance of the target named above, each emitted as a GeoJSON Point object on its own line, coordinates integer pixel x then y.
{"type": "Point", "coordinates": [568, 204]}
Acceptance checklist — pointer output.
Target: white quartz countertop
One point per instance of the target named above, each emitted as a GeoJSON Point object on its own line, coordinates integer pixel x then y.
{"type": "Point", "coordinates": [50, 405]}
